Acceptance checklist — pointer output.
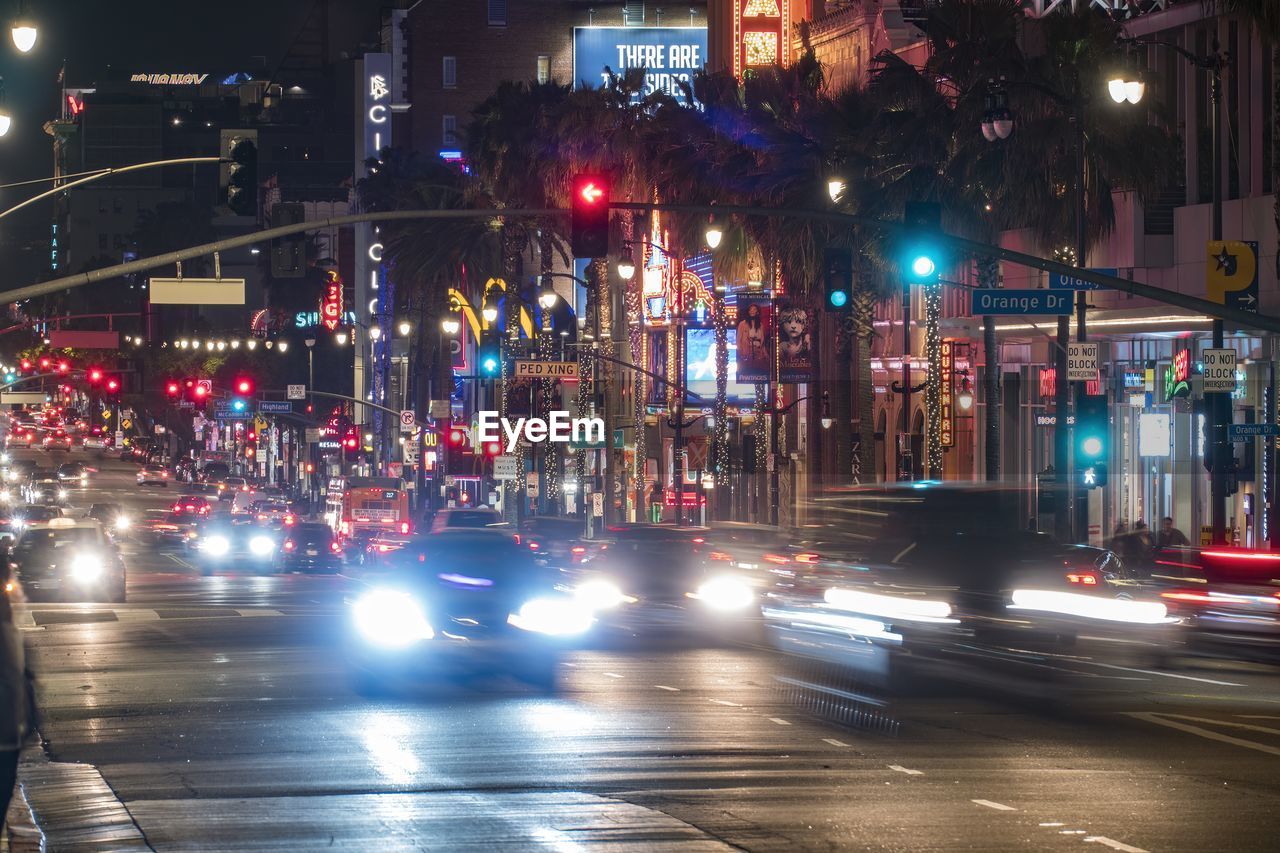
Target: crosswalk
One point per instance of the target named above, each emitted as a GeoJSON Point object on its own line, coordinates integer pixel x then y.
{"type": "Point", "coordinates": [40, 617]}
{"type": "Point", "coordinates": [1230, 729]}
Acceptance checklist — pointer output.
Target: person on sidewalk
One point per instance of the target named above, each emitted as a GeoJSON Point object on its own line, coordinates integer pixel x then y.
{"type": "Point", "coordinates": [1169, 536]}
{"type": "Point", "coordinates": [17, 709]}
{"type": "Point", "coordinates": [655, 503]}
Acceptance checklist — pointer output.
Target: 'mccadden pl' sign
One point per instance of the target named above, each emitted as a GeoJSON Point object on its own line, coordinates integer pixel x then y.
{"type": "Point", "coordinates": [669, 55]}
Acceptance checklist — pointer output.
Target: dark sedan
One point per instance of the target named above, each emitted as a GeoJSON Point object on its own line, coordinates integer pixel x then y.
{"type": "Point", "coordinates": [309, 547]}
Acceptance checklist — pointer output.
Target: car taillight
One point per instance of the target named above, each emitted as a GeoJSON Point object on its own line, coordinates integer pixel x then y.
{"type": "Point", "coordinates": [335, 547]}
{"type": "Point", "coordinates": [288, 545]}
{"type": "Point", "coordinates": [577, 549]}
{"type": "Point", "coordinates": [533, 546]}
{"type": "Point", "coordinates": [1082, 578]}
{"type": "Point", "coordinates": [176, 508]}
{"type": "Point", "coordinates": [807, 558]}
{"type": "Point", "coordinates": [344, 528]}
{"type": "Point", "coordinates": [404, 527]}
{"type": "Point", "coordinates": [777, 558]}
{"type": "Point", "coordinates": [517, 537]}
{"type": "Point", "coordinates": [718, 555]}
{"type": "Point", "coordinates": [288, 520]}
{"type": "Point", "coordinates": [164, 473]}
{"type": "Point", "coordinates": [1191, 596]}
{"type": "Point", "coordinates": [698, 540]}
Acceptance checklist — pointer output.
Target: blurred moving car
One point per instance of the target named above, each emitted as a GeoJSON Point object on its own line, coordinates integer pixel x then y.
{"type": "Point", "coordinates": [190, 506]}
{"type": "Point", "coordinates": [69, 560]}
{"type": "Point", "coordinates": [274, 512]}
{"type": "Point", "coordinates": [463, 603]}
{"type": "Point", "coordinates": [226, 543]}
{"type": "Point", "coordinates": [23, 517]}
{"type": "Point", "coordinates": [20, 436]}
{"type": "Point", "coordinates": [941, 580]}
{"type": "Point", "coordinates": [458, 518]}
{"type": "Point", "coordinates": [309, 546]}
{"type": "Point", "coordinates": [73, 473]}
{"type": "Point", "coordinates": [229, 486]}
{"type": "Point", "coordinates": [112, 517]}
{"type": "Point", "coordinates": [153, 475]}
{"type": "Point", "coordinates": [557, 540]}
{"type": "Point", "coordinates": [1228, 600]}
{"type": "Point", "coordinates": [57, 439]}
{"type": "Point", "coordinates": [43, 486]}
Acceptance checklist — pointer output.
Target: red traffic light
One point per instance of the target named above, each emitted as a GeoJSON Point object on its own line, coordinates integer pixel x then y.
{"type": "Point", "coordinates": [493, 448]}
{"type": "Point", "coordinates": [173, 388]}
{"type": "Point", "coordinates": [64, 366]}
{"type": "Point", "coordinates": [244, 385]}
{"type": "Point", "coordinates": [590, 191]}
{"type": "Point", "coordinates": [94, 375]}
{"type": "Point", "coordinates": [203, 388]}
{"type": "Point", "coordinates": [112, 385]}
{"type": "Point", "coordinates": [45, 363]}
{"type": "Point", "coordinates": [26, 364]}
{"type": "Point", "coordinates": [589, 216]}
{"type": "Point", "coordinates": [457, 436]}
{"type": "Point", "coordinates": [251, 436]}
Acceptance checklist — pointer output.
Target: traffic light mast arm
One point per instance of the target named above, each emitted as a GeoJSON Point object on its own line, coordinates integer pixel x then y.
{"type": "Point", "coordinates": [341, 397]}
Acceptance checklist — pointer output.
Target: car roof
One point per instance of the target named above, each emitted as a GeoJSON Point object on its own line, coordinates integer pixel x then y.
{"type": "Point", "coordinates": [68, 524]}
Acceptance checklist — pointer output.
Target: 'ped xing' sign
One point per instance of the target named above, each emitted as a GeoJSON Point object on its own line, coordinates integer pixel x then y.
{"type": "Point", "coordinates": [1082, 362]}
{"type": "Point", "coordinates": [1219, 370]}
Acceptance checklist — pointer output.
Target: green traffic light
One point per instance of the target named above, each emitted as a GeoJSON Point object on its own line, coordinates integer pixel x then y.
{"type": "Point", "coordinates": [1092, 446]}
{"type": "Point", "coordinates": [923, 266]}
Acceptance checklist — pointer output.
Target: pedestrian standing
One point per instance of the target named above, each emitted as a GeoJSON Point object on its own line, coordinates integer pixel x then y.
{"type": "Point", "coordinates": [655, 503]}
{"type": "Point", "coordinates": [16, 701]}
{"type": "Point", "coordinates": [1170, 536]}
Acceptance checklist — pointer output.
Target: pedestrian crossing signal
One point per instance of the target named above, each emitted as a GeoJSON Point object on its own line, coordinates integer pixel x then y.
{"type": "Point", "coordinates": [1093, 476]}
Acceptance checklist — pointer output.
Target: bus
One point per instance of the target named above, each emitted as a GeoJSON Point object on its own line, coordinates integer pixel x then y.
{"type": "Point", "coordinates": [355, 505]}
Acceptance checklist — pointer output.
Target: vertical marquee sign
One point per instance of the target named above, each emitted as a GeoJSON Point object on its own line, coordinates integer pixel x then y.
{"type": "Point", "coordinates": [331, 302]}
{"type": "Point", "coordinates": [761, 31]}
{"type": "Point", "coordinates": [946, 397]}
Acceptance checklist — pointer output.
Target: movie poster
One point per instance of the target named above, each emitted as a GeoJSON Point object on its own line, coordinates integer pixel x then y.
{"type": "Point", "coordinates": [795, 342]}
{"type": "Point", "coordinates": [755, 339]}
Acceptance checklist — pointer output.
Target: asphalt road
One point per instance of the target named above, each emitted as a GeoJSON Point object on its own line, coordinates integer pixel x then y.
{"type": "Point", "coordinates": [216, 714]}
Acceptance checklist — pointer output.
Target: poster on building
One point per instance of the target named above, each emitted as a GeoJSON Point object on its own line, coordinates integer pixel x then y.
{"type": "Point", "coordinates": [670, 56]}
{"type": "Point", "coordinates": [754, 338]}
{"type": "Point", "coordinates": [795, 341]}
{"type": "Point", "coordinates": [700, 369]}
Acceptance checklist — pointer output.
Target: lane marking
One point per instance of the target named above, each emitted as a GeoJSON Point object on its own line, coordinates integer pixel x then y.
{"type": "Point", "coordinates": [1204, 733]}
{"type": "Point", "coordinates": [900, 769]}
{"type": "Point", "coordinates": [834, 742]}
{"type": "Point", "coordinates": [780, 722]}
{"type": "Point", "coordinates": [1165, 674]}
{"type": "Point", "coordinates": [1258, 716]}
{"type": "Point", "coordinates": [668, 689]}
{"type": "Point", "coordinates": [1113, 844]}
{"type": "Point", "coordinates": [613, 675]}
{"type": "Point", "coordinates": [259, 612]}
{"type": "Point", "coordinates": [1226, 723]}
{"type": "Point", "coordinates": [1052, 823]}
{"type": "Point", "coordinates": [136, 615]}
{"type": "Point", "coordinates": [725, 702]}
{"type": "Point", "coordinates": [1000, 807]}
{"type": "Point", "coordinates": [180, 561]}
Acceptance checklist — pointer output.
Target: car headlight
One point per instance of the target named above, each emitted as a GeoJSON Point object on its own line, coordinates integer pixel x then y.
{"type": "Point", "coordinates": [86, 568]}
{"type": "Point", "coordinates": [391, 619]}
{"type": "Point", "coordinates": [62, 494]}
{"type": "Point", "coordinates": [261, 546]}
{"type": "Point", "coordinates": [216, 546]}
{"type": "Point", "coordinates": [84, 478]}
{"type": "Point", "coordinates": [558, 617]}
{"type": "Point", "coordinates": [122, 522]}
{"type": "Point", "coordinates": [725, 593]}
{"type": "Point", "coordinates": [4, 457]}
{"type": "Point", "coordinates": [600, 594]}
{"type": "Point", "coordinates": [6, 495]}
{"type": "Point", "coordinates": [35, 494]}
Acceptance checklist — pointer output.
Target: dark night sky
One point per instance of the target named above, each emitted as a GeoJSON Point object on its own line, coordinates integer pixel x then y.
{"type": "Point", "coordinates": [99, 39]}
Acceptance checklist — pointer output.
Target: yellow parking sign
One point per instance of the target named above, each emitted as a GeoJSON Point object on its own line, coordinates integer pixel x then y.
{"type": "Point", "coordinates": [1231, 273]}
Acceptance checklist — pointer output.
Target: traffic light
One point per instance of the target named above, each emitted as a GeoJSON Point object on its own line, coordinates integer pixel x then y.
{"type": "Point", "coordinates": [111, 385]}
{"type": "Point", "coordinates": [1092, 476]}
{"type": "Point", "coordinates": [45, 364]}
{"type": "Point", "coordinates": [489, 359]}
{"type": "Point", "coordinates": [242, 177]}
{"type": "Point", "coordinates": [1092, 429]}
{"type": "Point", "coordinates": [238, 405]}
{"type": "Point", "coordinates": [589, 216]}
{"type": "Point", "coordinates": [64, 366]}
{"type": "Point", "coordinates": [921, 256]}
{"type": "Point", "coordinates": [288, 254]}
{"type": "Point", "coordinates": [173, 389]}
{"type": "Point", "coordinates": [201, 389]}
{"type": "Point", "coordinates": [837, 279]}
{"type": "Point", "coordinates": [25, 365]}
{"type": "Point", "coordinates": [243, 386]}
{"type": "Point", "coordinates": [350, 444]}
{"type": "Point", "coordinates": [93, 374]}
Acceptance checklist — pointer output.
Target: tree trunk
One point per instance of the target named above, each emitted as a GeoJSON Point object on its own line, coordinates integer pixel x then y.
{"type": "Point", "coordinates": [720, 432]}
{"type": "Point", "coordinates": [842, 426]}
{"type": "Point", "coordinates": [988, 277]}
{"type": "Point", "coordinates": [549, 481]}
{"type": "Point", "coordinates": [513, 492]}
{"type": "Point", "coordinates": [639, 386]}
{"type": "Point", "coordinates": [933, 386]}
{"type": "Point", "coordinates": [864, 310]}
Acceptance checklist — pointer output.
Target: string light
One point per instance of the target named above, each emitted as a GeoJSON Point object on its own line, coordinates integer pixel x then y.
{"type": "Point", "coordinates": [720, 432]}
{"type": "Point", "coordinates": [933, 387]}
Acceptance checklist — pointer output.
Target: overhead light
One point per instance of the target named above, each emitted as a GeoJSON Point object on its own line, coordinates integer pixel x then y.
{"type": "Point", "coordinates": [714, 235]}
{"type": "Point", "coordinates": [450, 325]}
{"type": "Point", "coordinates": [626, 267]}
{"type": "Point", "coordinates": [341, 338]}
{"type": "Point", "coordinates": [490, 313]}
{"type": "Point", "coordinates": [404, 328]}
{"type": "Point", "coordinates": [835, 188]}
{"type": "Point", "coordinates": [284, 346]}
{"type": "Point", "coordinates": [375, 332]}
{"type": "Point", "coordinates": [24, 31]}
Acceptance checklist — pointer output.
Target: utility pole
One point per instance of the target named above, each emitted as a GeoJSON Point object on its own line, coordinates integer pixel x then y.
{"type": "Point", "coordinates": [1219, 411]}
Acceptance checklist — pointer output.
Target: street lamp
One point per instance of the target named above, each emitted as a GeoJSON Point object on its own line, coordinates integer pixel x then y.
{"type": "Point", "coordinates": [713, 235]}
{"type": "Point", "coordinates": [835, 188]}
{"type": "Point", "coordinates": [375, 333]}
{"type": "Point", "coordinates": [547, 296]}
{"type": "Point", "coordinates": [23, 30]}
{"type": "Point", "coordinates": [5, 119]}
{"type": "Point", "coordinates": [626, 264]}
{"type": "Point", "coordinates": [450, 325]}
{"type": "Point", "coordinates": [997, 121]}
{"type": "Point", "coordinates": [341, 338]}
{"type": "Point", "coordinates": [283, 346]}
{"type": "Point", "coordinates": [404, 328]}
{"type": "Point", "coordinates": [489, 312]}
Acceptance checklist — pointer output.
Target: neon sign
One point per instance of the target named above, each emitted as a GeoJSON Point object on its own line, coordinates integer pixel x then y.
{"type": "Point", "coordinates": [1177, 374]}
{"type": "Point", "coordinates": [331, 303]}
{"type": "Point", "coordinates": [947, 436]}
{"type": "Point", "coordinates": [761, 33]}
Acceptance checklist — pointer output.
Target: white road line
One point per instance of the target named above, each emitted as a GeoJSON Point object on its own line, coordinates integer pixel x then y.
{"type": "Point", "coordinates": [780, 722]}
{"type": "Point", "coordinates": [1053, 823]}
{"type": "Point", "coordinates": [1224, 723]}
{"type": "Point", "coordinates": [668, 689]}
{"type": "Point", "coordinates": [1165, 674]}
{"type": "Point", "coordinates": [1258, 716]}
{"type": "Point", "coordinates": [24, 619]}
{"type": "Point", "coordinates": [1000, 807]}
{"type": "Point", "coordinates": [1204, 733]}
{"type": "Point", "coordinates": [900, 769]}
{"type": "Point", "coordinates": [259, 612]}
{"type": "Point", "coordinates": [136, 615]}
{"type": "Point", "coordinates": [725, 702]}
{"type": "Point", "coordinates": [834, 742]}
{"type": "Point", "coordinates": [1113, 844]}
{"type": "Point", "coordinates": [180, 561]}
{"type": "Point", "coordinates": [613, 675]}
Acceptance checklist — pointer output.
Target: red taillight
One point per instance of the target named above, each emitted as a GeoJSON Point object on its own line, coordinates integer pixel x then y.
{"type": "Point", "coordinates": [164, 473]}
{"type": "Point", "coordinates": [577, 549]}
{"type": "Point", "coordinates": [807, 558]}
{"type": "Point", "coordinates": [288, 520]}
{"type": "Point", "coordinates": [176, 508]}
{"type": "Point", "coordinates": [382, 549]}
{"type": "Point", "coordinates": [1083, 578]}
{"type": "Point", "coordinates": [777, 558]}
{"type": "Point", "coordinates": [404, 527]}
{"type": "Point", "coordinates": [698, 540]}
{"type": "Point", "coordinates": [1188, 595]}
{"type": "Point", "coordinates": [335, 547]}
{"type": "Point", "coordinates": [533, 546]}
{"type": "Point", "coordinates": [344, 528]}
{"type": "Point", "coordinates": [288, 545]}
{"type": "Point", "coordinates": [718, 555]}
{"type": "Point", "coordinates": [1240, 555]}
{"type": "Point", "coordinates": [517, 537]}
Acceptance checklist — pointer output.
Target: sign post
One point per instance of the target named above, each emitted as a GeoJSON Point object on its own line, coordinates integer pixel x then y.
{"type": "Point", "coordinates": [1082, 362]}
{"type": "Point", "coordinates": [408, 420]}
{"type": "Point", "coordinates": [1219, 370]}
{"type": "Point", "coordinates": [1021, 302]}
{"type": "Point", "coordinates": [504, 467]}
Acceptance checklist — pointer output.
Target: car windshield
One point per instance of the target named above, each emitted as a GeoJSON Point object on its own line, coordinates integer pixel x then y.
{"type": "Point", "coordinates": [312, 533]}
{"type": "Point", "coordinates": [472, 519]}
{"type": "Point", "coordinates": [43, 539]}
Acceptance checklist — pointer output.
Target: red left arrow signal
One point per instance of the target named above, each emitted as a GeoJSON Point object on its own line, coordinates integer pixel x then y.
{"type": "Point", "coordinates": [591, 193]}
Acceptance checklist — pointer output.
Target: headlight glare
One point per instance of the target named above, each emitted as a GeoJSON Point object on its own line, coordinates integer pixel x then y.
{"type": "Point", "coordinates": [62, 494]}
{"type": "Point", "coordinates": [122, 522]}
{"type": "Point", "coordinates": [557, 617]}
{"type": "Point", "coordinates": [86, 568]}
{"type": "Point", "coordinates": [261, 546]}
{"type": "Point", "coordinates": [600, 594]}
{"type": "Point", "coordinates": [726, 593]}
{"type": "Point", "coordinates": [216, 546]}
{"type": "Point", "coordinates": [391, 619]}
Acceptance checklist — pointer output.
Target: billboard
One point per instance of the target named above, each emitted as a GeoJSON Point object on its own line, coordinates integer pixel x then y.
{"type": "Point", "coordinates": [700, 369]}
{"type": "Point", "coordinates": [669, 55]}
{"type": "Point", "coordinates": [755, 334]}
{"type": "Point", "coordinates": [795, 341]}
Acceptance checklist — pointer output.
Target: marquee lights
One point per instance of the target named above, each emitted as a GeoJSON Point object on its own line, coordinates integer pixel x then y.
{"type": "Point", "coordinates": [761, 32]}
{"type": "Point", "coordinates": [331, 304]}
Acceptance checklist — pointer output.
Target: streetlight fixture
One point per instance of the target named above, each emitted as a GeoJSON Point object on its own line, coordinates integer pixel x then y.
{"type": "Point", "coordinates": [835, 188]}
{"type": "Point", "coordinates": [713, 235]}
{"type": "Point", "coordinates": [997, 120]}
{"type": "Point", "coordinates": [24, 30]}
{"type": "Point", "coordinates": [626, 264]}
{"type": "Point", "coordinates": [341, 338]}
{"type": "Point", "coordinates": [404, 328]}
{"type": "Point", "coordinates": [450, 325]}
{"type": "Point", "coordinates": [283, 347]}
{"type": "Point", "coordinates": [1126, 85]}
{"type": "Point", "coordinates": [965, 398]}
{"type": "Point", "coordinates": [547, 296]}
{"type": "Point", "coordinates": [6, 120]}
{"type": "Point", "coordinates": [375, 333]}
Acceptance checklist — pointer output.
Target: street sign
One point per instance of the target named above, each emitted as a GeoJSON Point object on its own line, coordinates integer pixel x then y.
{"type": "Point", "coordinates": [196, 291]}
{"type": "Point", "coordinates": [1231, 275]}
{"type": "Point", "coordinates": [1082, 362]}
{"type": "Point", "coordinates": [504, 467]}
{"type": "Point", "coordinates": [186, 404]}
{"type": "Point", "coordinates": [313, 435]}
{"type": "Point", "coordinates": [275, 407]}
{"type": "Point", "coordinates": [696, 454]}
{"type": "Point", "coordinates": [126, 424]}
{"type": "Point", "coordinates": [597, 504]}
{"type": "Point", "coordinates": [409, 452]}
{"type": "Point", "coordinates": [1022, 302]}
{"type": "Point", "coordinates": [21, 398]}
{"type": "Point", "coordinates": [1244, 432]}
{"type": "Point", "coordinates": [531, 485]}
{"type": "Point", "coordinates": [224, 410]}
{"type": "Point", "coordinates": [260, 426]}
{"type": "Point", "coordinates": [408, 420]}
{"type": "Point", "coordinates": [1061, 281]}
{"type": "Point", "coordinates": [441, 410]}
{"type": "Point", "coordinates": [395, 469]}
{"type": "Point", "coordinates": [119, 437]}
{"type": "Point", "coordinates": [546, 370]}
{"type": "Point", "coordinates": [260, 454]}
{"type": "Point", "coordinates": [1219, 370]}
{"type": "Point", "coordinates": [296, 392]}
{"type": "Point", "coordinates": [204, 387]}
